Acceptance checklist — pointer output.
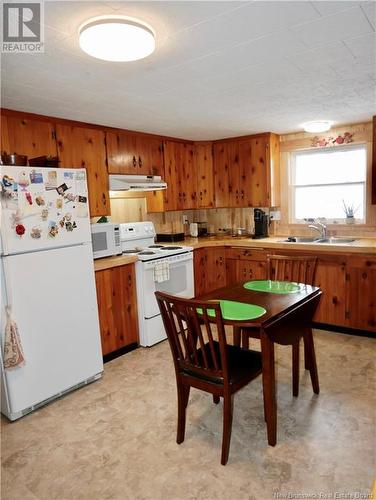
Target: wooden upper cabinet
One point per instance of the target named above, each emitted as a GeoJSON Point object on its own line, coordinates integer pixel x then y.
{"type": "Point", "coordinates": [221, 160]}
{"type": "Point", "coordinates": [259, 160]}
{"type": "Point", "coordinates": [187, 176]}
{"type": "Point", "coordinates": [133, 154]}
{"type": "Point", "coordinates": [246, 172]}
{"type": "Point", "coordinates": [170, 176]}
{"type": "Point", "coordinates": [374, 162]}
{"type": "Point", "coordinates": [180, 175]}
{"type": "Point", "coordinates": [203, 166]}
{"type": "Point", "coordinates": [27, 137]}
{"type": "Point", "coordinates": [80, 147]}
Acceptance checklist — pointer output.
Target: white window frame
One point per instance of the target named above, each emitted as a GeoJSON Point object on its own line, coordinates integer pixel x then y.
{"type": "Point", "coordinates": [292, 185]}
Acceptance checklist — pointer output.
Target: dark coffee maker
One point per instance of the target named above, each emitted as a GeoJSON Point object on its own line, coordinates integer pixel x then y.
{"type": "Point", "coordinates": [261, 224]}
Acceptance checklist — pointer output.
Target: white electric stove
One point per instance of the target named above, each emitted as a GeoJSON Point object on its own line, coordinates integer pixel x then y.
{"type": "Point", "coordinates": [137, 238]}
{"type": "Point", "coordinates": [176, 263]}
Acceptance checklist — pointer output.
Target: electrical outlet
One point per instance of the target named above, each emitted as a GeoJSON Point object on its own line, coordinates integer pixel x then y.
{"type": "Point", "coordinates": [275, 215]}
{"type": "Point", "coordinates": [185, 219]}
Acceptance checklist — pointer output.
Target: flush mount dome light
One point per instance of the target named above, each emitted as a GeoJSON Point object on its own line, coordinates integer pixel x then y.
{"type": "Point", "coordinates": [116, 38]}
{"type": "Point", "coordinates": [319, 126]}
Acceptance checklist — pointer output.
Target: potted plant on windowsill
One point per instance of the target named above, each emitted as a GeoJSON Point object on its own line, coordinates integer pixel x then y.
{"type": "Point", "coordinates": [350, 213]}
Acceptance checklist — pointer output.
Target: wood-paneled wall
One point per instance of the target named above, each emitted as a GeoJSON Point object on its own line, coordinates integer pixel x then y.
{"type": "Point", "coordinates": [294, 142]}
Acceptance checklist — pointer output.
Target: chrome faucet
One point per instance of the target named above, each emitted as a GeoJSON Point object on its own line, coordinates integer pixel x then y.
{"type": "Point", "coordinates": [320, 227]}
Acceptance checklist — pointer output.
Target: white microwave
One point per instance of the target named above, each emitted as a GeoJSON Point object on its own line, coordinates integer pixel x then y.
{"type": "Point", "coordinates": [105, 238]}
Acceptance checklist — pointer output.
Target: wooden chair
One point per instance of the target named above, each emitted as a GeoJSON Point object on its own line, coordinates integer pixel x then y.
{"type": "Point", "coordinates": [287, 268]}
{"type": "Point", "coordinates": [204, 363]}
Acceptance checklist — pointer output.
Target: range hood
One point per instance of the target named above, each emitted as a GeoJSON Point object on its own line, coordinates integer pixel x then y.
{"type": "Point", "coordinates": [136, 183]}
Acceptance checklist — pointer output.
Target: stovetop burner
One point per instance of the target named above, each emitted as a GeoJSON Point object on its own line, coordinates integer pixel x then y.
{"type": "Point", "coordinates": [156, 246]}
{"type": "Point", "coordinates": [147, 252]}
{"type": "Point", "coordinates": [171, 248]}
{"type": "Point", "coordinates": [133, 250]}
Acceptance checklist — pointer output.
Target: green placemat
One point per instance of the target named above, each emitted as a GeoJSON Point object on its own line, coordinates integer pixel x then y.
{"type": "Point", "coordinates": [272, 286]}
{"type": "Point", "coordinates": [237, 311]}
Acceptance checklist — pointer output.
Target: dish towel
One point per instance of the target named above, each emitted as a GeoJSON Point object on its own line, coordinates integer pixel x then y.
{"type": "Point", "coordinates": [13, 352]}
{"type": "Point", "coordinates": [162, 272]}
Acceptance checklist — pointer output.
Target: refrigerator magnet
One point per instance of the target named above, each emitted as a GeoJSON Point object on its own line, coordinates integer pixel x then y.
{"type": "Point", "coordinates": [44, 214]}
{"type": "Point", "coordinates": [69, 196]}
{"type": "Point", "coordinates": [8, 182]}
{"type": "Point", "coordinates": [36, 232]}
{"type": "Point", "coordinates": [9, 199]}
{"type": "Point", "coordinates": [82, 199]}
{"type": "Point", "coordinates": [80, 176]}
{"type": "Point", "coordinates": [62, 222]}
{"type": "Point", "coordinates": [39, 200]}
{"type": "Point", "coordinates": [62, 188]}
{"type": "Point", "coordinates": [53, 230]}
{"type": "Point", "coordinates": [59, 203]}
{"type": "Point", "coordinates": [68, 217]}
{"type": "Point", "coordinates": [29, 198]}
{"type": "Point", "coordinates": [69, 226]}
{"type": "Point", "coordinates": [16, 218]}
{"type": "Point", "coordinates": [23, 180]}
{"type": "Point", "coordinates": [20, 229]}
{"type": "Point", "coordinates": [81, 210]}
{"type": "Point", "coordinates": [51, 182]}
{"type": "Point", "coordinates": [36, 177]}
{"type": "Point", "coordinates": [68, 175]}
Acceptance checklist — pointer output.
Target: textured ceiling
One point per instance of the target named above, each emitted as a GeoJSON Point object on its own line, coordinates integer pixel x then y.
{"type": "Point", "coordinates": [220, 69]}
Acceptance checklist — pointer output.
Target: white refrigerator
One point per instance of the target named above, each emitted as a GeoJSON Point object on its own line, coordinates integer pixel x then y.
{"type": "Point", "coordinates": [48, 284]}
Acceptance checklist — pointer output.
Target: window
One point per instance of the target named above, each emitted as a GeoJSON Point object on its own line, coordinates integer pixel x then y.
{"type": "Point", "coordinates": [323, 180]}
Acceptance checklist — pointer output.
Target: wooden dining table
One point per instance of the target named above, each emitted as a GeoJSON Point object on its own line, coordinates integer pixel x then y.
{"type": "Point", "coordinates": [287, 319]}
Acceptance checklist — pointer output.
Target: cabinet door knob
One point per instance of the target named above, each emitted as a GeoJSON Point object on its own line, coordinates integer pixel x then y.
{"type": "Point", "coordinates": [134, 162]}
{"type": "Point", "coordinates": [139, 161]}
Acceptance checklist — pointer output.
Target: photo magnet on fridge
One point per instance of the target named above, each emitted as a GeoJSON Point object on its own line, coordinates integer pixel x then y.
{"type": "Point", "coordinates": [62, 188]}
{"type": "Point", "coordinates": [36, 177]}
{"type": "Point", "coordinates": [82, 199]}
{"type": "Point", "coordinates": [81, 210]}
{"type": "Point", "coordinates": [51, 182]}
{"type": "Point", "coordinates": [80, 176]}
{"type": "Point", "coordinates": [39, 200]}
{"type": "Point", "coordinates": [68, 175]}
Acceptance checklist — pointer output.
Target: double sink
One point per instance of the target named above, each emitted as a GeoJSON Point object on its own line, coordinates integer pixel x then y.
{"type": "Point", "coordinates": [327, 240]}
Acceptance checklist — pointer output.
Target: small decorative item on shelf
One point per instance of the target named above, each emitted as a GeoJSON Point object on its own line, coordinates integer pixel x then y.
{"type": "Point", "coordinates": [350, 213]}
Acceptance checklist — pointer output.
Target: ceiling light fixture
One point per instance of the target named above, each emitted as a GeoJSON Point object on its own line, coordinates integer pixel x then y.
{"type": "Point", "coordinates": [116, 38]}
{"type": "Point", "coordinates": [319, 126]}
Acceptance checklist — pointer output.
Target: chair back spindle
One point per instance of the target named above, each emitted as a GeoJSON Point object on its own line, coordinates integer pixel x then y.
{"type": "Point", "coordinates": [290, 268]}
{"type": "Point", "coordinates": [191, 333]}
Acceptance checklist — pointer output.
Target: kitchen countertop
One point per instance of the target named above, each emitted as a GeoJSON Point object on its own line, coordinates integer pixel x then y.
{"type": "Point", "coordinates": [115, 261]}
{"type": "Point", "coordinates": [359, 246]}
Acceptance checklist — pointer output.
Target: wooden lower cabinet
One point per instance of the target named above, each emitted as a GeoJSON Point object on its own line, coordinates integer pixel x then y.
{"type": "Point", "coordinates": [117, 306]}
{"type": "Point", "coordinates": [361, 296]}
{"type": "Point", "coordinates": [331, 278]}
{"type": "Point", "coordinates": [245, 264]}
{"type": "Point", "coordinates": [209, 269]}
{"type": "Point", "coordinates": [348, 282]}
